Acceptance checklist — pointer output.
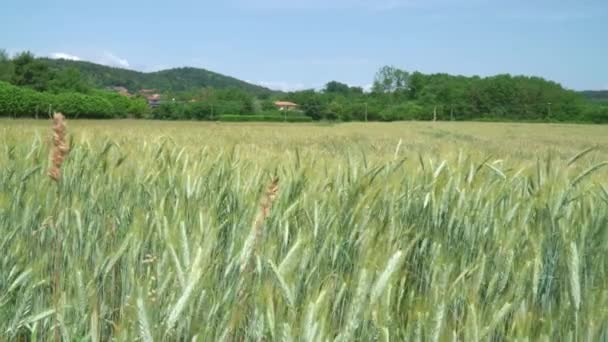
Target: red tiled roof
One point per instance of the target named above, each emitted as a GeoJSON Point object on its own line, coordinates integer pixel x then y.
{"type": "Point", "coordinates": [285, 104]}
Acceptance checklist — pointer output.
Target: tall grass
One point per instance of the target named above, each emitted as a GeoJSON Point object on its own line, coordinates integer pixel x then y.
{"type": "Point", "coordinates": [368, 240]}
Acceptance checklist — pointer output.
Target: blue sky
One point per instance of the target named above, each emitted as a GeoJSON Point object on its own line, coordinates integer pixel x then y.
{"type": "Point", "coordinates": [293, 44]}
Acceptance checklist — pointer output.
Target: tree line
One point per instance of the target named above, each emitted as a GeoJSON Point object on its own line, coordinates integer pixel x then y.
{"type": "Point", "coordinates": [30, 86]}
{"type": "Point", "coordinates": [399, 95]}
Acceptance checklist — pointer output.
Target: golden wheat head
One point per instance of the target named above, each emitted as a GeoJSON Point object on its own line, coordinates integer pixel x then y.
{"type": "Point", "coordinates": [271, 194]}
{"type": "Point", "coordinates": [266, 204]}
{"type": "Point", "coordinates": [60, 146]}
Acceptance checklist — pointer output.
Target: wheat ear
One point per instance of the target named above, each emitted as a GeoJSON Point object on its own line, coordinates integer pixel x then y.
{"type": "Point", "coordinates": [60, 147]}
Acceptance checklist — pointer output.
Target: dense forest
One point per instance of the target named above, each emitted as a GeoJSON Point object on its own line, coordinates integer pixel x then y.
{"type": "Point", "coordinates": [32, 86]}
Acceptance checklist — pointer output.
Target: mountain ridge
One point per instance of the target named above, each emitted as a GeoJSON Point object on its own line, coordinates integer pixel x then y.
{"type": "Point", "coordinates": [596, 95]}
{"type": "Point", "coordinates": [179, 79]}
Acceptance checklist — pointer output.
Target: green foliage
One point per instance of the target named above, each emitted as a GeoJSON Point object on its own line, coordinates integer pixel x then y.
{"type": "Point", "coordinates": [69, 80]}
{"type": "Point", "coordinates": [169, 111]}
{"type": "Point", "coordinates": [596, 113]}
{"type": "Point", "coordinates": [391, 80]}
{"type": "Point", "coordinates": [30, 72]}
{"type": "Point", "coordinates": [138, 108]}
{"type": "Point", "coordinates": [399, 95]}
{"type": "Point", "coordinates": [79, 105]}
{"type": "Point", "coordinates": [6, 66]}
{"type": "Point", "coordinates": [267, 105]}
{"type": "Point", "coordinates": [124, 106]}
{"type": "Point", "coordinates": [337, 88]}
{"type": "Point", "coordinates": [310, 102]}
{"type": "Point", "coordinates": [24, 102]}
{"type": "Point", "coordinates": [405, 111]}
{"type": "Point", "coordinates": [233, 101]}
{"type": "Point", "coordinates": [205, 104]}
{"type": "Point", "coordinates": [199, 110]}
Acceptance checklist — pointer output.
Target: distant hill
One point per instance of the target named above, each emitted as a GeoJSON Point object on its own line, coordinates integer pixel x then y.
{"type": "Point", "coordinates": [596, 95]}
{"type": "Point", "coordinates": [171, 80]}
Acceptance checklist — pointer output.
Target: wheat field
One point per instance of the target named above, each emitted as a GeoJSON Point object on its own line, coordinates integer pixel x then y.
{"type": "Point", "coordinates": [187, 231]}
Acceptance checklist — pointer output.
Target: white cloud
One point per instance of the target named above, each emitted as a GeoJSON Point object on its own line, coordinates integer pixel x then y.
{"type": "Point", "coordinates": [111, 59]}
{"type": "Point", "coordinates": [149, 67]}
{"type": "Point", "coordinates": [105, 58]}
{"type": "Point", "coordinates": [283, 86]}
{"type": "Point", "coordinates": [63, 55]}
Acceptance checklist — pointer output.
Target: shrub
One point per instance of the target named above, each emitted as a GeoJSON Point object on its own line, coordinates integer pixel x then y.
{"type": "Point", "coordinates": [120, 103]}
{"type": "Point", "coordinates": [22, 102]}
{"type": "Point", "coordinates": [124, 106]}
{"type": "Point", "coordinates": [169, 111]}
{"type": "Point", "coordinates": [596, 113]}
{"type": "Point", "coordinates": [83, 106]}
{"type": "Point", "coordinates": [138, 108]}
{"type": "Point", "coordinates": [406, 111]}
{"type": "Point", "coordinates": [229, 106]}
{"type": "Point", "coordinates": [199, 110]}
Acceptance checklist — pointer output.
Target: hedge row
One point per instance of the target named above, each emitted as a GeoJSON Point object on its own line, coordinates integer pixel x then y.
{"type": "Point", "coordinates": [24, 102]}
{"type": "Point", "coordinates": [264, 118]}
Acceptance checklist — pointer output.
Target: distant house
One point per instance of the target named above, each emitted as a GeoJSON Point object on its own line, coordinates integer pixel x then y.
{"type": "Point", "coordinates": [285, 105]}
{"type": "Point", "coordinates": [153, 100]}
{"type": "Point", "coordinates": [121, 90]}
{"type": "Point", "coordinates": [152, 96]}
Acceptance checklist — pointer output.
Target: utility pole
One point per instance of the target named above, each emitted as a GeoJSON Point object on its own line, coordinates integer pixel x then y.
{"type": "Point", "coordinates": [452, 112]}
{"type": "Point", "coordinates": [365, 111]}
{"type": "Point", "coordinates": [549, 109]}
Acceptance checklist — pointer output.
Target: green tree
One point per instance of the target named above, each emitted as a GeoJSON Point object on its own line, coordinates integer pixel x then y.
{"type": "Point", "coordinates": [6, 66]}
{"type": "Point", "coordinates": [390, 80]}
{"type": "Point", "coordinates": [30, 72]}
{"type": "Point", "coordinates": [238, 101]}
{"type": "Point", "coordinates": [311, 102]}
{"type": "Point", "coordinates": [69, 80]}
{"type": "Point", "coordinates": [416, 84]}
{"type": "Point", "coordinates": [335, 87]}
{"type": "Point", "coordinates": [268, 105]}
{"type": "Point", "coordinates": [334, 110]}
{"type": "Point", "coordinates": [356, 91]}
